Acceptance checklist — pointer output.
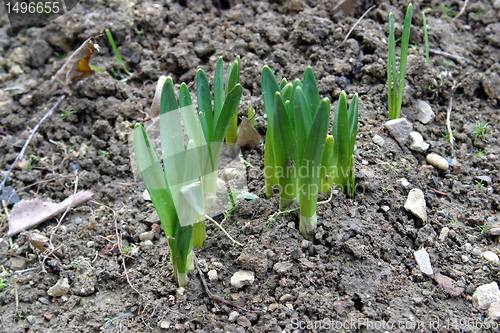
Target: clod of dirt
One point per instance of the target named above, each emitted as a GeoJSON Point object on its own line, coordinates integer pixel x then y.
{"type": "Point", "coordinates": [448, 284]}
{"type": "Point", "coordinates": [84, 280]}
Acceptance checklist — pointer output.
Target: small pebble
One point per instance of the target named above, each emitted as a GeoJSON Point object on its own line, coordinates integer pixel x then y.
{"type": "Point", "coordinates": [490, 256]}
{"type": "Point", "coordinates": [164, 324]}
{"type": "Point", "coordinates": [385, 208]}
{"type": "Point", "coordinates": [148, 235]}
{"type": "Point", "coordinates": [147, 243]}
{"type": "Point", "coordinates": [437, 161]}
{"type": "Point", "coordinates": [180, 291]}
{"type": "Point", "coordinates": [212, 275]}
{"type": "Point", "coordinates": [405, 183]}
{"type": "Point", "coordinates": [444, 233]}
{"type": "Point", "coordinates": [233, 316]}
{"type": "Point", "coordinates": [468, 247]}
{"type": "Point", "coordinates": [378, 140]}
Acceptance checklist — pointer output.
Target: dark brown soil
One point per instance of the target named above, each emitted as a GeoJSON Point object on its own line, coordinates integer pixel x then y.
{"type": "Point", "coordinates": [358, 270]}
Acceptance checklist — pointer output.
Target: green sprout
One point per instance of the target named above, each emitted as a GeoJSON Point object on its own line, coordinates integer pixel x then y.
{"type": "Point", "coordinates": [116, 52]}
{"type": "Point", "coordinates": [104, 153]}
{"type": "Point", "coordinates": [426, 37]}
{"type": "Point", "coordinates": [395, 78]}
{"type": "Point", "coordinates": [3, 284]}
{"type": "Point", "coordinates": [184, 186]}
{"type": "Point", "coordinates": [65, 114]}
{"type": "Point", "coordinates": [483, 229]}
{"type": "Point", "coordinates": [446, 135]}
{"type": "Point", "coordinates": [480, 154]}
{"type": "Point", "coordinates": [481, 129]}
{"type": "Point", "coordinates": [480, 184]}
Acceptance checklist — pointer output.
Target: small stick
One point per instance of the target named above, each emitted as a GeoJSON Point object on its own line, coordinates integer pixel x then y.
{"type": "Point", "coordinates": [462, 10]}
{"type": "Point", "coordinates": [356, 23]}
{"type": "Point", "coordinates": [223, 230]}
{"type": "Point", "coordinates": [457, 58]}
{"type": "Point", "coordinates": [213, 296]}
{"type": "Point", "coordinates": [30, 137]}
{"type": "Point", "coordinates": [448, 122]}
{"type": "Point", "coordinates": [439, 192]}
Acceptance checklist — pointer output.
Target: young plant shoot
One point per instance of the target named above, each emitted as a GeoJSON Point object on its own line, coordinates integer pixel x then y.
{"type": "Point", "coordinates": [426, 37]}
{"type": "Point", "coordinates": [395, 78]}
{"type": "Point", "coordinates": [183, 188]}
{"type": "Point", "coordinates": [345, 129]}
{"type": "Point", "coordinates": [296, 134]}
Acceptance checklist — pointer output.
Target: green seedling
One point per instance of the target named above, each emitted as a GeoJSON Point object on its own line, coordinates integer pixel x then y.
{"type": "Point", "coordinates": [446, 135]}
{"type": "Point", "coordinates": [481, 130]}
{"type": "Point", "coordinates": [426, 37]}
{"type": "Point", "coordinates": [67, 113]}
{"type": "Point", "coordinates": [104, 153]}
{"type": "Point", "coordinates": [345, 129]}
{"type": "Point", "coordinates": [483, 229]}
{"type": "Point", "coordinates": [480, 184]}
{"type": "Point", "coordinates": [3, 284]}
{"type": "Point", "coordinates": [480, 154]}
{"type": "Point", "coordinates": [395, 78]}
{"type": "Point", "coordinates": [184, 187]}
{"type": "Point", "coordinates": [296, 135]}
{"type": "Point", "coordinates": [116, 52]}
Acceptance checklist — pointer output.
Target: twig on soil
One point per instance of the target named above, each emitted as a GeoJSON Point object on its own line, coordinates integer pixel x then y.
{"type": "Point", "coordinates": [213, 296]}
{"type": "Point", "coordinates": [459, 59]}
{"type": "Point", "coordinates": [223, 230]}
{"type": "Point", "coordinates": [448, 116]}
{"type": "Point", "coordinates": [462, 10]}
{"type": "Point", "coordinates": [356, 23]}
{"type": "Point", "coordinates": [30, 137]}
{"type": "Point", "coordinates": [439, 192]}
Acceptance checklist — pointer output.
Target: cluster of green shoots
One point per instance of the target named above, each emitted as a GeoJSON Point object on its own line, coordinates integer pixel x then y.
{"type": "Point", "coordinates": [183, 187]}
{"type": "Point", "coordinates": [300, 159]}
{"type": "Point", "coordinates": [395, 77]}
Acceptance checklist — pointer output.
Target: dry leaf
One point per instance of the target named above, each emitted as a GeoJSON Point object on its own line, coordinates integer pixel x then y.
{"type": "Point", "coordinates": [248, 135]}
{"type": "Point", "coordinates": [77, 66]}
{"type": "Point", "coordinates": [28, 213]}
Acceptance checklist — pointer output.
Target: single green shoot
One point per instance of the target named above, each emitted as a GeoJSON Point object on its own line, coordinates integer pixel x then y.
{"type": "Point", "coordinates": [3, 284]}
{"type": "Point", "coordinates": [426, 37]}
{"type": "Point", "coordinates": [481, 130]}
{"type": "Point", "coordinates": [104, 153]}
{"type": "Point", "coordinates": [483, 229]}
{"type": "Point", "coordinates": [116, 52]}
{"type": "Point", "coordinates": [480, 154]}
{"type": "Point", "coordinates": [66, 114]}
{"type": "Point", "coordinates": [480, 184]}
{"type": "Point", "coordinates": [446, 135]}
{"type": "Point", "coordinates": [395, 77]}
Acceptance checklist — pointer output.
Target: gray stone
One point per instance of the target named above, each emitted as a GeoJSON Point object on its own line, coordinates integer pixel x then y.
{"type": "Point", "coordinates": [242, 278]}
{"type": "Point", "coordinates": [495, 231]}
{"type": "Point", "coordinates": [415, 203]}
{"type": "Point", "coordinates": [282, 267]}
{"type": "Point", "coordinates": [424, 112]}
{"type": "Point", "coordinates": [400, 129]}
{"type": "Point", "coordinates": [417, 142]}
{"type": "Point", "coordinates": [378, 140]}
{"type": "Point", "coordinates": [423, 261]}
{"type": "Point", "coordinates": [233, 316]}
{"type": "Point", "coordinates": [18, 263]}
{"type": "Point", "coordinates": [40, 53]}
{"type": "Point", "coordinates": [148, 235]}
{"type": "Point", "coordinates": [437, 161]}
{"type": "Point", "coordinates": [444, 233]}
{"type": "Point", "coordinates": [485, 295]}
{"type": "Point", "coordinates": [61, 288]}
{"type": "Point", "coordinates": [405, 183]}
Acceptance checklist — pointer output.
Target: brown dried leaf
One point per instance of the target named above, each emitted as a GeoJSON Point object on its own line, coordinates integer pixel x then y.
{"type": "Point", "coordinates": [28, 213]}
{"type": "Point", "coordinates": [248, 135]}
{"type": "Point", "coordinates": [77, 66]}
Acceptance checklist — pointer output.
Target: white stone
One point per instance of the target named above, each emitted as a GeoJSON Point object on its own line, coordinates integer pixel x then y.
{"type": "Point", "coordinates": [378, 140]}
{"type": "Point", "coordinates": [212, 275]}
{"type": "Point", "coordinates": [437, 161]}
{"type": "Point", "coordinates": [147, 235]}
{"type": "Point", "coordinates": [424, 112]}
{"type": "Point", "coordinates": [385, 208]}
{"type": "Point", "coordinates": [494, 311]}
{"type": "Point", "coordinates": [164, 324]}
{"type": "Point", "coordinates": [405, 183]}
{"type": "Point", "coordinates": [417, 142]}
{"type": "Point", "coordinates": [180, 291]}
{"type": "Point", "coordinates": [485, 295]}
{"type": "Point", "coordinates": [233, 316]}
{"type": "Point", "coordinates": [490, 256]}
{"type": "Point", "coordinates": [423, 261]}
{"type": "Point", "coordinates": [61, 288]}
{"type": "Point", "coordinates": [242, 278]}
{"type": "Point", "coordinates": [415, 203]}
{"type": "Point", "coordinates": [444, 233]}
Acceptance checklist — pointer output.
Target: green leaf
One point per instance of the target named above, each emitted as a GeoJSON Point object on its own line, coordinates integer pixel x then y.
{"type": "Point", "coordinates": [219, 93]}
{"type": "Point", "coordinates": [311, 90]}
{"type": "Point", "coordinates": [204, 104]}
{"type": "Point", "coordinates": [391, 69]}
{"type": "Point", "coordinates": [269, 176]}
{"type": "Point", "coordinates": [183, 247]}
{"type": "Point", "coordinates": [404, 55]}
{"type": "Point", "coordinates": [234, 75]}
{"type": "Point", "coordinates": [341, 138]}
{"type": "Point", "coordinates": [229, 109]}
{"type": "Point", "coordinates": [199, 234]}
{"type": "Point", "coordinates": [168, 100]}
{"type": "Point", "coordinates": [327, 166]}
{"type": "Point", "coordinates": [269, 88]}
{"type": "Point", "coordinates": [353, 121]}
{"type": "Point", "coordinates": [151, 172]}
{"type": "Point", "coordinates": [301, 120]}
